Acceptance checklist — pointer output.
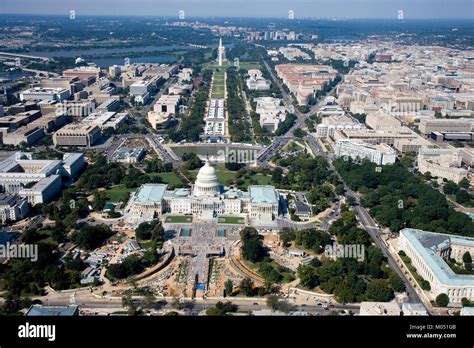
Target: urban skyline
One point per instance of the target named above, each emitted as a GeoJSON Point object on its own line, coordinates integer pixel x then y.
{"type": "Point", "coordinates": [360, 9]}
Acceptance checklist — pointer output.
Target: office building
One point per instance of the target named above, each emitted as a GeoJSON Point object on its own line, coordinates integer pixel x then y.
{"type": "Point", "coordinates": [305, 80]}
{"type": "Point", "coordinates": [129, 155]}
{"type": "Point", "coordinates": [28, 135]}
{"type": "Point", "coordinates": [109, 105]}
{"type": "Point", "coordinates": [330, 124]}
{"type": "Point", "coordinates": [271, 112]}
{"type": "Point", "coordinates": [141, 87]}
{"type": "Point", "coordinates": [87, 74]}
{"type": "Point", "coordinates": [427, 126]}
{"type": "Point", "coordinates": [21, 170]}
{"type": "Point", "coordinates": [13, 208]}
{"type": "Point", "coordinates": [380, 122]}
{"type": "Point", "coordinates": [256, 81]}
{"type": "Point", "coordinates": [84, 135]}
{"type": "Point", "coordinates": [428, 252]}
{"type": "Point", "coordinates": [43, 93]}
{"type": "Point", "coordinates": [375, 137]}
{"type": "Point", "coordinates": [105, 120]}
{"type": "Point", "coordinates": [411, 145]}
{"type": "Point", "coordinates": [163, 110]}
{"type": "Point", "coordinates": [381, 154]}
{"type": "Point", "coordinates": [442, 163]}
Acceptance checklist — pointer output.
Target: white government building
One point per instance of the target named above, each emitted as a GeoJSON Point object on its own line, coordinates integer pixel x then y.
{"type": "Point", "coordinates": [35, 179]}
{"type": "Point", "coordinates": [380, 154]}
{"type": "Point", "coordinates": [207, 199]}
{"type": "Point", "coordinates": [428, 252]}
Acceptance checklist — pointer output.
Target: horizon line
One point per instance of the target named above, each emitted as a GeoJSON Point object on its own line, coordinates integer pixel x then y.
{"type": "Point", "coordinates": [239, 17]}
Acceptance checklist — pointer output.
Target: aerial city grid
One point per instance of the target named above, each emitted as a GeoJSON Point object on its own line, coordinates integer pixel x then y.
{"type": "Point", "coordinates": [188, 165]}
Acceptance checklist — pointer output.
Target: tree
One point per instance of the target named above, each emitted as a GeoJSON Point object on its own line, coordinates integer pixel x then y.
{"type": "Point", "coordinates": [228, 287]}
{"type": "Point", "coordinates": [143, 231]}
{"type": "Point", "coordinates": [465, 302]}
{"type": "Point", "coordinates": [158, 232]}
{"type": "Point", "coordinates": [246, 286]}
{"type": "Point", "coordinates": [286, 236]}
{"type": "Point", "coordinates": [272, 302]}
{"type": "Point", "coordinates": [442, 300]}
{"type": "Point", "coordinates": [377, 290]}
{"type": "Point", "coordinates": [308, 276]}
{"type": "Point", "coordinates": [467, 259]}
{"type": "Point", "coordinates": [90, 237]}
{"type": "Point", "coordinates": [396, 283]}
{"type": "Point", "coordinates": [252, 246]}
{"type": "Point", "coordinates": [221, 309]}
{"type": "Point", "coordinates": [339, 190]}
{"type": "Point", "coordinates": [464, 183]}
{"type": "Point", "coordinates": [149, 301]}
{"type": "Point", "coordinates": [462, 196]}
{"type": "Point", "coordinates": [351, 200]}
{"type": "Point", "coordinates": [450, 188]}
{"type": "Point", "coordinates": [277, 175]}
{"type": "Point", "coordinates": [425, 285]}
{"type": "Point", "coordinates": [131, 306]}
{"type": "Point", "coordinates": [299, 133]}
{"type": "Point", "coordinates": [344, 293]}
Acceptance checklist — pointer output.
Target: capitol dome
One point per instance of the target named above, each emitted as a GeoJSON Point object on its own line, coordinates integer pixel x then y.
{"type": "Point", "coordinates": [207, 183]}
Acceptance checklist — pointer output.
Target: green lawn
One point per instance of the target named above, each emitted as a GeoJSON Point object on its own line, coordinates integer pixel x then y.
{"type": "Point", "coordinates": [230, 220]}
{"type": "Point", "coordinates": [227, 64]}
{"type": "Point", "coordinates": [178, 219]}
{"type": "Point", "coordinates": [256, 179]}
{"type": "Point", "coordinates": [171, 179]}
{"type": "Point", "coordinates": [218, 84]}
{"type": "Point", "coordinates": [292, 146]}
{"type": "Point", "coordinates": [118, 193]}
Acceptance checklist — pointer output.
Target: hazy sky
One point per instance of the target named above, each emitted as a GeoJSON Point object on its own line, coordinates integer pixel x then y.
{"type": "Point", "coordinates": [249, 8]}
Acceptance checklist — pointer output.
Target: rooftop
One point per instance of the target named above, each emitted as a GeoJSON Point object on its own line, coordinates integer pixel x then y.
{"type": "Point", "coordinates": [61, 311]}
{"type": "Point", "coordinates": [263, 194]}
{"type": "Point", "coordinates": [150, 193]}
{"type": "Point", "coordinates": [426, 244]}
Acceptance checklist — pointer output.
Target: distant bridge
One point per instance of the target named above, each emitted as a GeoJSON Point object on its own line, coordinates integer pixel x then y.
{"type": "Point", "coordinates": [46, 59]}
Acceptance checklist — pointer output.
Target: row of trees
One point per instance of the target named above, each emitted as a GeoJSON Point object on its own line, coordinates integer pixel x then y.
{"type": "Point", "coordinates": [286, 125]}
{"type": "Point", "coordinates": [191, 126]}
{"type": "Point", "coordinates": [398, 198]}
{"type": "Point", "coordinates": [238, 126]}
{"type": "Point", "coordinates": [133, 264]}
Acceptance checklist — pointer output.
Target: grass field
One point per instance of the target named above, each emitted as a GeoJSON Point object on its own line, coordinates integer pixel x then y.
{"type": "Point", "coordinates": [118, 193]}
{"type": "Point", "coordinates": [292, 146]}
{"type": "Point", "coordinates": [172, 179]}
{"type": "Point", "coordinates": [178, 219]}
{"type": "Point", "coordinates": [256, 179]}
{"type": "Point", "coordinates": [228, 64]}
{"type": "Point", "coordinates": [230, 220]}
{"type": "Point", "coordinates": [218, 84]}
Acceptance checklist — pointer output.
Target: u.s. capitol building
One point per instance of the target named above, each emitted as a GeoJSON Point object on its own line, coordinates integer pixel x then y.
{"type": "Point", "coordinates": [207, 199]}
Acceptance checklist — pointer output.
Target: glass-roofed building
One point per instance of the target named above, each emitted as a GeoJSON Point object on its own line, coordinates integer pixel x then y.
{"type": "Point", "coordinates": [207, 199]}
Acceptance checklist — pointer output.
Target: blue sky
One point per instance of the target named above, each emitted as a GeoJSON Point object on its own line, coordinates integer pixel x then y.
{"type": "Point", "coordinates": [426, 9]}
